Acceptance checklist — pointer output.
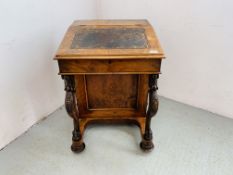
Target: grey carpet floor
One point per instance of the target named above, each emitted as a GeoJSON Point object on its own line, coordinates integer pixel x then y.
{"type": "Point", "coordinates": [188, 141]}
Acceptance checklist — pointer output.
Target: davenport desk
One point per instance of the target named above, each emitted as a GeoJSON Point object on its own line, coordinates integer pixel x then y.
{"type": "Point", "coordinates": [110, 69]}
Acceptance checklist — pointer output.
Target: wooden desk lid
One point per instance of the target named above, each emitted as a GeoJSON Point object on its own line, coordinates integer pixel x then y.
{"type": "Point", "coordinates": [100, 39]}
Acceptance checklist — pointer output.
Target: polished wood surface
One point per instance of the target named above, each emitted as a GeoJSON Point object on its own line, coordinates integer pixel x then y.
{"type": "Point", "coordinates": [132, 66]}
{"type": "Point", "coordinates": [67, 51]}
{"type": "Point", "coordinates": [124, 99]}
{"type": "Point", "coordinates": [102, 90]}
{"type": "Point", "coordinates": [110, 69]}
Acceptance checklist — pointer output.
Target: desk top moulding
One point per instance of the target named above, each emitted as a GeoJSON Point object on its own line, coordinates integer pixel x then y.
{"type": "Point", "coordinates": [110, 69]}
{"type": "Point", "coordinates": [109, 39]}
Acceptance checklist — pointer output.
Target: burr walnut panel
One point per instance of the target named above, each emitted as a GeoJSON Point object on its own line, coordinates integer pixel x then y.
{"type": "Point", "coordinates": [102, 90]}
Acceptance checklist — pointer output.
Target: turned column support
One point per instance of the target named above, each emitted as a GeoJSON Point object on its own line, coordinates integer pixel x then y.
{"type": "Point", "coordinates": [147, 143]}
{"type": "Point", "coordinates": [72, 109]}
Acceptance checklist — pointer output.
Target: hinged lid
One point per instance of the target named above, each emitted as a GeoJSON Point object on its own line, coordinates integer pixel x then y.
{"type": "Point", "coordinates": [100, 39]}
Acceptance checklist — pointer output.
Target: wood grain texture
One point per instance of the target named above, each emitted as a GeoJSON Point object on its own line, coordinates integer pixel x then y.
{"type": "Point", "coordinates": [109, 68]}
{"type": "Point", "coordinates": [131, 104]}
{"type": "Point", "coordinates": [153, 51]}
{"type": "Point", "coordinates": [102, 90]}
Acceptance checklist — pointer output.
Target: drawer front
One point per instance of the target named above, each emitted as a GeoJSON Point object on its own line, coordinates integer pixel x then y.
{"type": "Point", "coordinates": [137, 66]}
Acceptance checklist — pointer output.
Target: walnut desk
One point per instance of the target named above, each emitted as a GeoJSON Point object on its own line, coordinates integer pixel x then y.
{"type": "Point", "coordinates": [110, 68]}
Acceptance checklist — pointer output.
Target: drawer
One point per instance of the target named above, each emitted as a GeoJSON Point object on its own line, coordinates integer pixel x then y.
{"type": "Point", "coordinates": [137, 66]}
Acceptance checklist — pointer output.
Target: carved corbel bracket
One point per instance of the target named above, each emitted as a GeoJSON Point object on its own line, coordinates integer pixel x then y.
{"type": "Point", "coordinates": [72, 110]}
{"type": "Point", "coordinates": [70, 99]}
{"type": "Point", "coordinates": [147, 143]}
{"type": "Point", "coordinates": [153, 98]}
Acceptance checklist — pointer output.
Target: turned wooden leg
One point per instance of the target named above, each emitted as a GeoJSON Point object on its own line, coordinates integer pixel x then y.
{"type": "Point", "coordinates": [72, 110]}
{"type": "Point", "coordinates": [146, 143]}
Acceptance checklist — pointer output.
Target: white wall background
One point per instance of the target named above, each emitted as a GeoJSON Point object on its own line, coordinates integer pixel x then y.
{"type": "Point", "coordinates": [30, 33]}
{"type": "Point", "coordinates": [197, 36]}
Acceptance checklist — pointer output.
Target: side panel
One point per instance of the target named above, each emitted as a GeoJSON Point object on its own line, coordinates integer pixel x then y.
{"type": "Point", "coordinates": [112, 95]}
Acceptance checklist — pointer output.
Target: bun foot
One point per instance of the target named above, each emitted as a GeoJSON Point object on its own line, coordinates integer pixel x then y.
{"type": "Point", "coordinates": [146, 145]}
{"type": "Point", "coordinates": [77, 147]}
